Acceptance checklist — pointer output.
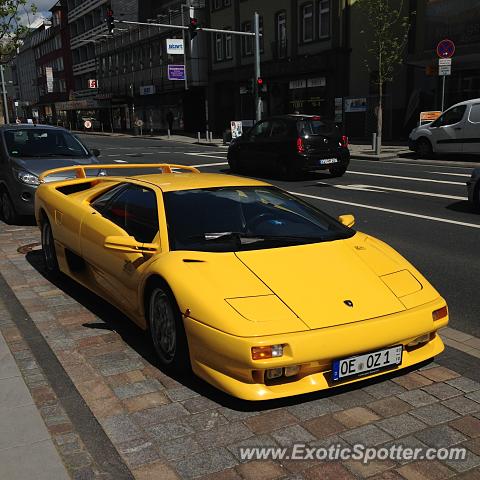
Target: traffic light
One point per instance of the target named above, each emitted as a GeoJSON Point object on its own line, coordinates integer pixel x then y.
{"type": "Point", "coordinates": [261, 87]}
{"type": "Point", "coordinates": [193, 27]}
{"type": "Point", "coordinates": [260, 83]}
{"type": "Point", "coordinates": [110, 21]}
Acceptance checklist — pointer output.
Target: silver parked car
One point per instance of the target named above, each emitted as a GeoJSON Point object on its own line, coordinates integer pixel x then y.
{"type": "Point", "coordinates": [473, 187]}
{"type": "Point", "coordinates": [28, 150]}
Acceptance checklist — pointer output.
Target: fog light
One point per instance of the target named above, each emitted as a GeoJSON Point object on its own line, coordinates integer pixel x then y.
{"type": "Point", "coordinates": [274, 373]}
{"type": "Point", "coordinates": [440, 313]}
{"type": "Point", "coordinates": [26, 196]}
{"type": "Point", "coordinates": [423, 339]}
{"type": "Point", "coordinates": [292, 370]}
{"type": "Point", "coordinates": [267, 351]}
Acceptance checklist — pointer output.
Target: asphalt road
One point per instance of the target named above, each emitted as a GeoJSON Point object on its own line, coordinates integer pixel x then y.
{"type": "Point", "coordinates": [419, 209]}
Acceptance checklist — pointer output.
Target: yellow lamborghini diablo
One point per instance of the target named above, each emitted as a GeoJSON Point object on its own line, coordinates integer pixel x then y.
{"type": "Point", "coordinates": [260, 294]}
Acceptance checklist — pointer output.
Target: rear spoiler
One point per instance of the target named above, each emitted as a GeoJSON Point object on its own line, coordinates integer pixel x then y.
{"type": "Point", "coordinates": [80, 170]}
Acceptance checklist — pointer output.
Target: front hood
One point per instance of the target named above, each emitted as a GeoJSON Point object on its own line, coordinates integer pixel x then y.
{"type": "Point", "coordinates": [319, 281]}
{"type": "Point", "coordinates": [39, 165]}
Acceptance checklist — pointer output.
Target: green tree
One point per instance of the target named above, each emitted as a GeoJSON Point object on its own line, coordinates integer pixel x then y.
{"type": "Point", "coordinates": [386, 34]}
{"type": "Point", "coordinates": [12, 30]}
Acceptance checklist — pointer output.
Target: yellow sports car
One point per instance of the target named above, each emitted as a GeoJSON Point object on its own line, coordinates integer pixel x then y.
{"type": "Point", "coordinates": [260, 294]}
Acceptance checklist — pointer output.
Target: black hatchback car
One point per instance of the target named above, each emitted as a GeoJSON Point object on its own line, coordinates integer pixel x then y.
{"type": "Point", "coordinates": [289, 144]}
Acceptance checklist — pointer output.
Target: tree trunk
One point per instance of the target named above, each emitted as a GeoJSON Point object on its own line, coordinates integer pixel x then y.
{"type": "Point", "coordinates": [378, 148]}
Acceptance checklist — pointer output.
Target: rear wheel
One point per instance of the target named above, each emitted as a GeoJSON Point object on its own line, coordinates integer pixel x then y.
{"type": "Point", "coordinates": [233, 163]}
{"type": "Point", "coordinates": [424, 148]}
{"type": "Point", "coordinates": [48, 249]}
{"type": "Point", "coordinates": [337, 170]}
{"type": "Point", "coordinates": [287, 171]}
{"type": "Point", "coordinates": [167, 330]}
{"type": "Point", "coordinates": [9, 214]}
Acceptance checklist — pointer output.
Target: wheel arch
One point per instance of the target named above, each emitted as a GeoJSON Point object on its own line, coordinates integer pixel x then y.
{"type": "Point", "coordinates": [148, 286]}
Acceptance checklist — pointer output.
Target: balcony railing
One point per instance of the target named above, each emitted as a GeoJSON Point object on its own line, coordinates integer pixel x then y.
{"type": "Point", "coordinates": [84, 7]}
{"type": "Point", "coordinates": [84, 67]}
{"type": "Point", "coordinates": [83, 38]}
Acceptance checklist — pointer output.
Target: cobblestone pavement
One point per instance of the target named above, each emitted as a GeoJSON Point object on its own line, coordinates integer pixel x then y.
{"type": "Point", "coordinates": [109, 407]}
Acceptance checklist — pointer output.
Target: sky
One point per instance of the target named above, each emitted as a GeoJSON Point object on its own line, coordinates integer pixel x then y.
{"type": "Point", "coordinates": [42, 11]}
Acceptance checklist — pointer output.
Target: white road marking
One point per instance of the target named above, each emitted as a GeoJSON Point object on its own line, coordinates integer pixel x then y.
{"type": "Point", "coordinates": [413, 164]}
{"type": "Point", "coordinates": [378, 189]}
{"type": "Point", "coordinates": [209, 164]}
{"type": "Point", "coordinates": [120, 161]}
{"type": "Point", "coordinates": [454, 174]}
{"type": "Point", "coordinates": [206, 156]}
{"type": "Point", "coordinates": [405, 178]}
{"type": "Point", "coordinates": [388, 210]}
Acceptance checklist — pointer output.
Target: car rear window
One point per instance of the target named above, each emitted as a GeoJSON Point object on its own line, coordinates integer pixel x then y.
{"type": "Point", "coordinates": [317, 127]}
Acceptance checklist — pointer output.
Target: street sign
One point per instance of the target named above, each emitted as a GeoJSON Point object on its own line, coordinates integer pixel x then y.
{"type": "Point", "coordinates": [175, 46]}
{"type": "Point", "coordinates": [444, 61]}
{"type": "Point", "coordinates": [92, 83]}
{"type": "Point", "coordinates": [445, 48]}
{"type": "Point", "coordinates": [236, 128]}
{"type": "Point", "coordinates": [49, 76]}
{"type": "Point", "coordinates": [87, 124]}
{"type": "Point", "coordinates": [176, 72]}
{"type": "Point", "coordinates": [426, 117]}
{"type": "Point", "coordinates": [444, 70]}
{"type": "Point", "coordinates": [139, 123]}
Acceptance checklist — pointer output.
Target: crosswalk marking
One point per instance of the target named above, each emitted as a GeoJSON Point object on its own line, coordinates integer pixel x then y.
{"type": "Point", "coordinates": [405, 178]}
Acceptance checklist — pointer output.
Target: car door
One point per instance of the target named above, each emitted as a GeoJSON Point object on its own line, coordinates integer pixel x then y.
{"type": "Point", "coordinates": [279, 144]}
{"type": "Point", "coordinates": [471, 130]}
{"type": "Point", "coordinates": [447, 131]}
{"type": "Point", "coordinates": [131, 210]}
{"type": "Point", "coordinates": [255, 146]}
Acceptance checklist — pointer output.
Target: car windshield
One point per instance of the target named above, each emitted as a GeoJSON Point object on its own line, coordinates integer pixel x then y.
{"type": "Point", "coordinates": [245, 218]}
{"type": "Point", "coordinates": [317, 127]}
{"type": "Point", "coordinates": [43, 142]}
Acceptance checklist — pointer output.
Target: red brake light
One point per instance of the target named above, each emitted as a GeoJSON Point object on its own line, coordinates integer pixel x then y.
{"type": "Point", "coordinates": [344, 141]}
{"type": "Point", "coordinates": [300, 146]}
{"type": "Point", "coordinates": [317, 117]}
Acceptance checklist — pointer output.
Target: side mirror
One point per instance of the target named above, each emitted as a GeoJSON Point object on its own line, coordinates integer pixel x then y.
{"type": "Point", "coordinates": [347, 220]}
{"type": "Point", "coordinates": [96, 152]}
{"type": "Point", "coordinates": [129, 245]}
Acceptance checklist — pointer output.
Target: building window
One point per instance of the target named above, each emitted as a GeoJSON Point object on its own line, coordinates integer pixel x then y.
{"type": "Point", "coordinates": [217, 4]}
{"type": "Point", "coordinates": [281, 34]}
{"type": "Point", "coordinates": [247, 42]}
{"type": "Point", "coordinates": [323, 18]}
{"type": "Point", "coordinates": [307, 22]}
{"type": "Point", "coordinates": [228, 46]}
{"type": "Point", "coordinates": [218, 47]}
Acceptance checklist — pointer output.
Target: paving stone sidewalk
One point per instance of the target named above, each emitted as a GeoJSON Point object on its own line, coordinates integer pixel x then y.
{"type": "Point", "coordinates": [165, 428]}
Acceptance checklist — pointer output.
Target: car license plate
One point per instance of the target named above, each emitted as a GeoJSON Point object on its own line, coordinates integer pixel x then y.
{"type": "Point", "coordinates": [367, 363]}
{"type": "Point", "coordinates": [327, 161]}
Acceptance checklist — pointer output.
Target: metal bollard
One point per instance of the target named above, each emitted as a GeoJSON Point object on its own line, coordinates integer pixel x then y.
{"type": "Point", "coordinates": [374, 141]}
{"type": "Point", "coordinates": [199, 137]}
{"type": "Point", "coordinates": [211, 137]}
{"type": "Point", "coordinates": [168, 133]}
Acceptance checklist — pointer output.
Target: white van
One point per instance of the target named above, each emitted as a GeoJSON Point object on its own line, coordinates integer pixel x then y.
{"type": "Point", "coordinates": [457, 130]}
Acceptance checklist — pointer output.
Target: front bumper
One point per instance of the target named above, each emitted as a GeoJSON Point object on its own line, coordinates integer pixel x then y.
{"type": "Point", "coordinates": [412, 144]}
{"type": "Point", "coordinates": [225, 361]}
{"type": "Point", "coordinates": [23, 197]}
{"type": "Point", "coordinates": [471, 188]}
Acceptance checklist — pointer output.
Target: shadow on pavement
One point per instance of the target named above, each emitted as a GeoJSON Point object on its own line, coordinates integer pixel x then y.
{"type": "Point", "coordinates": [110, 318]}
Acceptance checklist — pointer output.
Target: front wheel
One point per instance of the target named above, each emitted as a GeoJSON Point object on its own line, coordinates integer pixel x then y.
{"type": "Point", "coordinates": [9, 214]}
{"type": "Point", "coordinates": [167, 330]}
{"type": "Point", "coordinates": [48, 249]}
{"type": "Point", "coordinates": [337, 170]}
{"type": "Point", "coordinates": [424, 148]}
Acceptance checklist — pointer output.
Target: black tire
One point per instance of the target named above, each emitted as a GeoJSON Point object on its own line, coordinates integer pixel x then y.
{"type": "Point", "coordinates": [287, 171]}
{"type": "Point", "coordinates": [337, 170]}
{"type": "Point", "coordinates": [48, 249]}
{"type": "Point", "coordinates": [8, 212]}
{"type": "Point", "coordinates": [167, 330]}
{"type": "Point", "coordinates": [233, 163]}
{"type": "Point", "coordinates": [424, 148]}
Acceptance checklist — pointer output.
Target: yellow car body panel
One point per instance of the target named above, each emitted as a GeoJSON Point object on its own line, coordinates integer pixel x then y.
{"type": "Point", "coordinates": [295, 296]}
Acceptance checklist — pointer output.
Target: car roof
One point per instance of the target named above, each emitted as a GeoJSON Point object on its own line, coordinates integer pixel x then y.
{"type": "Point", "coordinates": [171, 182]}
{"type": "Point", "coordinates": [23, 126]}
{"type": "Point", "coordinates": [466, 102]}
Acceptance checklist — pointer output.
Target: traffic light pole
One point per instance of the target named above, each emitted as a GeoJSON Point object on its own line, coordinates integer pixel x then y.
{"type": "Point", "coordinates": [258, 100]}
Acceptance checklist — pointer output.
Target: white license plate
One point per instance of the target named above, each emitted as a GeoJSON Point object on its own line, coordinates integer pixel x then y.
{"type": "Point", "coordinates": [327, 161]}
{"type": "Point", "coordinates": [367, 363]}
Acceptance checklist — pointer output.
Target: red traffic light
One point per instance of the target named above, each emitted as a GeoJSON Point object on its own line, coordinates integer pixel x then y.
{"type": "Point", "coordinates": [109, 12]}
{"type": "Point", "coordinates": [259, 81]}
{"type": "Point", "coordinates": [193, 22]}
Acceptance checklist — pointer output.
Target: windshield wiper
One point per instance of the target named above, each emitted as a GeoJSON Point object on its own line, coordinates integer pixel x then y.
{"type": "Point", "coordinates": [244, 238]}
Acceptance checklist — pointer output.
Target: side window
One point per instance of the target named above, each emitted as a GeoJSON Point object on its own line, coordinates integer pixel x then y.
{"type": "Point", "coordinates": [103, 200]}
{"type": "Point", "coordinates": [260, 130]}
{"type": "Point", "coordinates": [279, 129]}
{"type": "Point", "coordinates": [474, 115]}
{"type": "Point", "coordinates": [135, 210]}
{"type": "Point", "coordinates": [450, 117]}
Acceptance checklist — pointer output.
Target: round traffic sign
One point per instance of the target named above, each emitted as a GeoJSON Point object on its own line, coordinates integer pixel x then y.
{"type": "Point", "coordinates": [87, 124]}
{"type": "Point", "coordinates": [139, 123]}
{"type": "Point", "coordinates": [445, 48]}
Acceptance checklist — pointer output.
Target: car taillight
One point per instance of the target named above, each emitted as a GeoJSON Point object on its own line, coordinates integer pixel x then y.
{"type": "Point", "coordinates": [300, 145]}
{"type": "Point", "coordinates": [344, 142]}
